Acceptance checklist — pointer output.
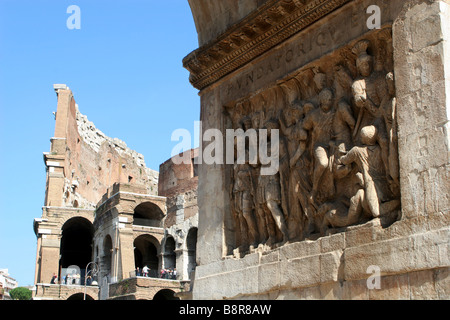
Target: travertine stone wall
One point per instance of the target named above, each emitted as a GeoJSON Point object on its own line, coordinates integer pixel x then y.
{"type": "Point", "coordinates": [213, 18]}
{"type": "Point", "coordinates": [81, 165]}
{"type": "Point", "coordinates": [422, 58]}
{"type": "Point", "coordinates": [179, 182]}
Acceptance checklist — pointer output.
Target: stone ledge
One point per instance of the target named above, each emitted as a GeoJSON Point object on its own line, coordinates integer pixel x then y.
{"type": "Point", "coordinates": [331, 260]}
{"type": "Point", "coordinates": [260, 31]}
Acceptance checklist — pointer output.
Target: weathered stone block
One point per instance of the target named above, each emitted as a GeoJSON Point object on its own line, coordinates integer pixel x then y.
{"type": "Point", "coordinates": [392, 287]}
{"type": "Point", "coordinates": [301, 272]}
{"type": "Point", "coordinates": [332, 243]}
{"type": "Point", "coordinates": [331, 264]}
{"type": "Point", "coordinates": [442, 283]}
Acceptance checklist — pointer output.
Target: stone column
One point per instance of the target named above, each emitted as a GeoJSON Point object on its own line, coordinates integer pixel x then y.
{"type": "Point", "coordinates": [126, 261]}
{"type": "Point", "coordinates": [181, 263]}
{"type": "Point", "coordinates": [212, 190]}
{"type": "Point", "coordinates": [422, 69]}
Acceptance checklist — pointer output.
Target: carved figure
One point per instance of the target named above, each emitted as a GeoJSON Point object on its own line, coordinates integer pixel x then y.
{"type": "Point", "coordinates": [369, 89]}
{"type": "Point", "coordinates": [343, 126]}
{"type": "Point", "coordinates": [369, 161]}
{"type": "Point", "coordinates": [318, 123]}
{"type": "Point", "coordinates": [338, 162]}
{"type": "Point", "coordinates": [244, 204]}
{"type": "Point", "coordinates": [299, 181]}
{"type": "Point", "coordinates": [269, 195]}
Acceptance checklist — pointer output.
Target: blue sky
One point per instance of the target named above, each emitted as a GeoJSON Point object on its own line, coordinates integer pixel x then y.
{"type": "Point", "coordinates": [124, 67]}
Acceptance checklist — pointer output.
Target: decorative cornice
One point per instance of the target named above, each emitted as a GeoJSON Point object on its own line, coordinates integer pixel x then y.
{"type": "Point", "coordinates": [266, 27]}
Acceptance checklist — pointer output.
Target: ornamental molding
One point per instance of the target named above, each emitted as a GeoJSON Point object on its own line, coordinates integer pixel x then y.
{"type": "Point", "coordinates": [263, 29]}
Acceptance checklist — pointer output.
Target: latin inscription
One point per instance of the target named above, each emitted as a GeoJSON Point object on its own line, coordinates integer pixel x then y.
{"type": "Point", "coordinates": [308, 46]}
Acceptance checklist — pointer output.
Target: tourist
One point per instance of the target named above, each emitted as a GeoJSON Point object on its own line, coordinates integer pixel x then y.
{"type": "Point", "coordinates": [145, 270]}
{"type": "Point", "coordinates": [53, 281]}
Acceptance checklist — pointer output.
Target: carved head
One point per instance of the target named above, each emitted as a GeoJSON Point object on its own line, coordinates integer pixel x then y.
{"type": "Point", "coordinates": [307, 107]}
{"type": "Point", "coordinates": [364, 64]}
{"type": "Point", "coordinates": [246, 123]}
{"type": "Point", "coordinates": [320, 79]}
{"type": "Point", "coordinates": [364, 61]}
{"type": "Point", "coordinates": [326, 100]}
{"type": "Point", "coordinates": [390, 83]}
{"type": "Point", "coordinates": [293, 113]}
{"type": "Point", "coordinates": [343, 77]}
{"type": "Point", "coordinates": [369, 135]}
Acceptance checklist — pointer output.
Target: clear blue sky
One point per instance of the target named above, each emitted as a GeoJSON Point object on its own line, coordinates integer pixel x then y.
{"type": "Point", "coordinates": [124, 67]}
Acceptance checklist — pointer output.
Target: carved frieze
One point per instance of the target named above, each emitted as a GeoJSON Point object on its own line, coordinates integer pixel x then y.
{"type": "Point", "coordinates": [338, 154]}
{"type": "Point", "coordinates": [270, 25]}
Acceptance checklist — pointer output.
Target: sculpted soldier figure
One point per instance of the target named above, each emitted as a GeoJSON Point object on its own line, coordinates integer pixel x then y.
{"type": "Point", "coordinates": [299, 180]}
{"type": "Point", "coordinates": [372, 196]}
{"type": "Point", "coordinates": [364, 88]}
{"type": "Point", "coordinates": [337, 149]}
{"type": "Point", "coordinates": [370, 164]}
{"type": "Point", "coordinates": [269, 195]}
{"type": "Point", "coordinates": [343, 126]}
{"type": "Point", "coordinates": [369, 90]}
{"type": "Point", "coordinates": [243, 203]}
{"type": "Point", "coordinates": [319, 124]}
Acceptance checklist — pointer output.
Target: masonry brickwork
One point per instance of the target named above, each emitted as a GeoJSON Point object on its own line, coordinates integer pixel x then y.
{"type": "Point", "coordinates": [104, 214]}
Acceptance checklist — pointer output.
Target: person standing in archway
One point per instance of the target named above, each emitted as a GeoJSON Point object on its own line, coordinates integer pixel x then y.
{"type": "Point", "coordinates": [145, 271]}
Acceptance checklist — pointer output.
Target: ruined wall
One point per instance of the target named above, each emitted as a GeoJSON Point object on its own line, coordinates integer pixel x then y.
{"type": "Point", "coordinates": [81, 165]}
{"type": "Point", "coordinates": [178, 182]}
{"type": "Point", "coordinates": [93, 161]}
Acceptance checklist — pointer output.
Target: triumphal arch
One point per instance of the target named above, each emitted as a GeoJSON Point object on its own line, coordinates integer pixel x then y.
{"type": "Point", "coordinates": [358, 94]}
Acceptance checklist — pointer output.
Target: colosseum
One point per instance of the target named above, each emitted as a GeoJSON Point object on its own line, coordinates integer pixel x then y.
{"type": "Point", "coordinates": [107, 217]}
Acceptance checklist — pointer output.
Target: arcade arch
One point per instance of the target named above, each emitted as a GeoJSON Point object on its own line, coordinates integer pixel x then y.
{"type": "Point", "coordinates": [146, 253]}
{"type": "Point", "coordinates": [76, 244]}
{"type": "Point", "coordinates": [148, 214]}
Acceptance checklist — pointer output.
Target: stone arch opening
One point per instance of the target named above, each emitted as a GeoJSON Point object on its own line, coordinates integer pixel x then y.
{"type": "Point", "coordinates": [169, 253]}
{"type": "Point", "coordinates": [106, 259]}
{"type": "Point", "coordinates": [80, 296]}
{"type": "Point", "coordinates": [146, 251]}
{"type": "Point", "coordinates": [191, 246]}
{"type": "Point", "coordinates": [76, 245]}
{"type": "Point", "coordinates": [148, 214]}
{"type": "Point", "coordinates": [165, 294]}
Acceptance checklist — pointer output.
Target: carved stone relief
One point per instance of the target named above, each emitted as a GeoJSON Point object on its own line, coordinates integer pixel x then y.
{"type": "Point", "coordinates": [338, 158]}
